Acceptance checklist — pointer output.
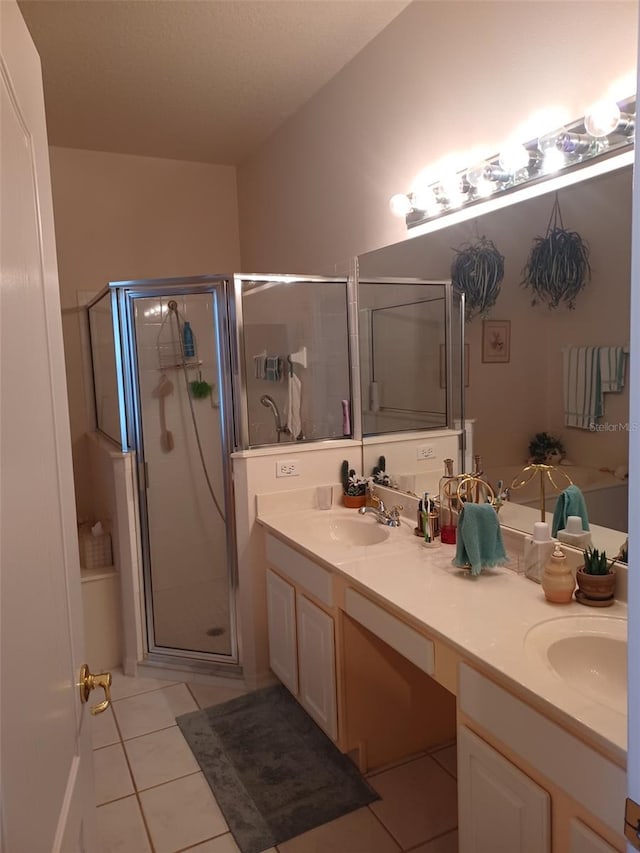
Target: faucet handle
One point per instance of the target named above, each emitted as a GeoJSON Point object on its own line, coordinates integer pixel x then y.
{"type": "Point", "coordinates": [395, 511]}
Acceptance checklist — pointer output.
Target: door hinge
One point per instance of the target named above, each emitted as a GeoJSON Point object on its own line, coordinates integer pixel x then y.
{"type": "Point", "coordinates": [632, 823]}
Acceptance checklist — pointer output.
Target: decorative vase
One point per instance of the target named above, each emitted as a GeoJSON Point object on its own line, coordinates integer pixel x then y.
{"type": "Point", "coordinates": [354, 501]}
{"type": "Point", "coordinates": [557, 579]}
{"type": "Point", "coordinates": [595, 588]}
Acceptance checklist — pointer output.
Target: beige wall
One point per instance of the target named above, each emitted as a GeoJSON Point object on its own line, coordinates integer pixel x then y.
{"type": "Point", "coordinates": [443, 77]}
{"type": "Point", "coordinates": [125, 217]}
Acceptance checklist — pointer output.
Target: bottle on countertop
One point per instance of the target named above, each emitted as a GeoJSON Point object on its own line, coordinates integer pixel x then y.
{"type": "Point", "coordinates": [537, 551]}
{"type": "Point", "coordinates": [448, 504]}
{"type": "Point", "coordinates": [558, 582]}
{"type": "Point", "coordinates": [573, 534]}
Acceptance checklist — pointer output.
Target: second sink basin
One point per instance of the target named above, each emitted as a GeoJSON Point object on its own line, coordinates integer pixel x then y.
{"type": "Point", "coordinates": [588, 653]}
{"type": "Point", "coordinates": [348, 531]}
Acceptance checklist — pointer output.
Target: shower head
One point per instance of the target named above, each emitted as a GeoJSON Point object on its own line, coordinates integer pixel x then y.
{"type": "Point", "coordinates": [269, 403]}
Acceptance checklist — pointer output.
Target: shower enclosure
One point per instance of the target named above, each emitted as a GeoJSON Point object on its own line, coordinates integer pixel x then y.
{"type": "Point", "coordinates": [185, 372]}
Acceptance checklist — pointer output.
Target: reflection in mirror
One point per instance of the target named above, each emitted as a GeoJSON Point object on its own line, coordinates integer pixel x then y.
{"type": "Point", "coordinates": [512, 399]}
{"type": "Point", "coordinates": [410, 339]}
{"type": "Point", "coordinates": [296, 358]}
{"type": "Point", "coordinates": [402, 331]}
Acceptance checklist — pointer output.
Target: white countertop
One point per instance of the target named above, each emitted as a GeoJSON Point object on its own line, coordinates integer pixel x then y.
{"type": "Point", "coordinates": [485, 618]}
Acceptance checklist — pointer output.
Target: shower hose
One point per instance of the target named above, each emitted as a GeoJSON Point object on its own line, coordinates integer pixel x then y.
{"type": "Point", "coordinates": [173, 307]}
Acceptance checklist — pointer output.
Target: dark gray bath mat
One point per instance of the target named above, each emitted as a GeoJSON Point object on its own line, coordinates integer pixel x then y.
{"type": "Point", "coordinates": [273, 772]}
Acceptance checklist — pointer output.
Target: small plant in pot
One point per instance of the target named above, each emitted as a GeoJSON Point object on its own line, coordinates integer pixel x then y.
{"type": "Point", "coordinates": [545, 449]}
{"type": "Point", "coordinates": [596, 579]}
{"type": "Point", "coordinates": [354, 488]}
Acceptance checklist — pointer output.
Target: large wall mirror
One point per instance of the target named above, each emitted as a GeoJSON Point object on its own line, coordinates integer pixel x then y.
{"type": "Point", "coordinates": [512, 398]}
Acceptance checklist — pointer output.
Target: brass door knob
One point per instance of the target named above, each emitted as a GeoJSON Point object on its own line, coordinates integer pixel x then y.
{"type": "Point", "coordinates": [89, 682]}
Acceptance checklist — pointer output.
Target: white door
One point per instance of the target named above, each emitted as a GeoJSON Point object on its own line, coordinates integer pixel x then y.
{"type": "Point", "coordinates": [633, 640]}
{"type": "Point", "coordinates": [281, 618]}
{"type": "Point", "coordinates": [47, 778]}
{"type": "Point", "coordinates": [500, 809]}
{"type": "Point", "coordinates": [317, 665]}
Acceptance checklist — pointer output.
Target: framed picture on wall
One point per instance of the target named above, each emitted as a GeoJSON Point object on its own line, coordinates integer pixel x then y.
{"type": "Point", "coordinates": [443, 366]}
{"type": "Point", "coordinates": [496, 341]}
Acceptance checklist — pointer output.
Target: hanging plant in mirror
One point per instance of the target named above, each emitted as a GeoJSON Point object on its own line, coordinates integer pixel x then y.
{"type": "Point", "coordinates": [557, 268]}
{"type": "Point", "coordinates": [477, 271]}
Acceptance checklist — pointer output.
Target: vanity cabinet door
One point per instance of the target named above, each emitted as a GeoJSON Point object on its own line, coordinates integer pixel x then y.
{"type": "Point", "coordinates": [584, 840]}
{"type": "Point", "coordinates": [500, 808]}
{"type": "Point", "coordinates": [317, 665]}
{"type": "Point", "coordinates": [281, 614]}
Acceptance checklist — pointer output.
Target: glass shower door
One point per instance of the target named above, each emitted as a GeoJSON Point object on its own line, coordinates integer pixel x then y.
{"type": "Point", "coordinates": [183, 420]}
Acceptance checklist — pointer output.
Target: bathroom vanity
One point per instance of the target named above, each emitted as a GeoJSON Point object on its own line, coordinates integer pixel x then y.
{"type": "Point", "coordinates": [392, 650]}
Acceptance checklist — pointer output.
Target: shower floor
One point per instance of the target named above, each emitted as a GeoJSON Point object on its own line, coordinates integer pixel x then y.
{"type": "Point", "coordinates": [194, 617]}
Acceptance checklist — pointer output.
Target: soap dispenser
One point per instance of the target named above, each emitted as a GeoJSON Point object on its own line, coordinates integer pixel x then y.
{"type": "Point", "coordinates": [537, 550]}
{"type": "Point", "coordinates": [573, 534]}
{"type": "Point", "coordinates": [557, 579]}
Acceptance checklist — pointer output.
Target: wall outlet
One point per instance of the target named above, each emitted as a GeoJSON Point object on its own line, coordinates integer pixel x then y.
{"type": "Point", "coordinates": [287, 468]}
{"type": "Point", "coordinates": [425, 451]}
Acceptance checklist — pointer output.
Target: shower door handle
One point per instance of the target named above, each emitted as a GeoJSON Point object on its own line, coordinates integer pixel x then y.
{"type": "Point", "coordinates": [89, 682]}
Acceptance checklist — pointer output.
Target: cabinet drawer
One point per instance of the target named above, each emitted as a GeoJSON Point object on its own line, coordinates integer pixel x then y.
{"type": "Point", "coordinates": [302, 571]}
{"type": "Point", "coordinates": [409, 643]}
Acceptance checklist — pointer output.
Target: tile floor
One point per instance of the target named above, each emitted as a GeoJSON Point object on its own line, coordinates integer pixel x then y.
{"type": "Point", "coordinates": [152, 798]}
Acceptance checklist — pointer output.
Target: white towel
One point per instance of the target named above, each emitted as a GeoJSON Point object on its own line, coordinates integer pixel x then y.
{"type": "Point", "coordinates": [612, 362]}
{"type": "Point", "coordinates": [582, 391]}
{"type": "Point", "coordinates": [294, 424]}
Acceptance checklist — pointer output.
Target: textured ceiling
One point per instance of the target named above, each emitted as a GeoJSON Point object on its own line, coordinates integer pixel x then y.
{"type": "Point", "coordinates": [206, 81]}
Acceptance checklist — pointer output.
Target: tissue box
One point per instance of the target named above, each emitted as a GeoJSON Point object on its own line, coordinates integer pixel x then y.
{"type": "Point", "coordinates": [95, 551]}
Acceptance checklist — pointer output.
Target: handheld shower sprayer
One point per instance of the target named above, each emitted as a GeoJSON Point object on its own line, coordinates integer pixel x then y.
{"type": "Point", "coordinates": [269, 403]}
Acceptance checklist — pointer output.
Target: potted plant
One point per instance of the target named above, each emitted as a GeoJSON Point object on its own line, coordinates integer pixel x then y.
{"type": "Point", "coordinates": [596, 579]}
{"type": "Point", "coordinates": [379, 475]}
{"type": "Point", "coordinates": [354, 488]}
{"type": "Point", "coordinates": [545, 449]}
{"type": "Point", "coordinates": [477, 271]}
{"type": "Point", "coordinates": [557, 268]}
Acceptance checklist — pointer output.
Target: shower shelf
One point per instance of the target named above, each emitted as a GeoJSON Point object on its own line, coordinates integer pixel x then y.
{"type": "Point", "coordinates": [188, 362]}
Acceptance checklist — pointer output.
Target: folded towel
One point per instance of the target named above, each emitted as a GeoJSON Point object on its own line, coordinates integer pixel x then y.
{"type": "Point", "coordinates": [570, 502]}
{"type": "Point", "coordinates": [273, 369]}
{"type": "Point", "coordinates": [479, 540]}
{"type": "Point", "coordinates": [582, 390]}
{"type": "Point", "coordinates": [612, 362]}
{"type": "Point", "coordinates": [294, 424]}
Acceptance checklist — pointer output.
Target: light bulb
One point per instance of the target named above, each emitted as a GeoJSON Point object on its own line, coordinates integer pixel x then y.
{"type": "Point", "coordinates": [484, 188]}
{"type": "Point", "coordinates": [476, 174]}
{"type": "Point", "coordinates": [549, 141]}
{"type": "Point", "coordinates": [602, 118]}
{"type": "Point", "coordinates": [451, 190]}
{"type": "Point", "coordinates": [400, 205]}
{"type": "Point", "coordinates": [513, 157]}
{"type": "Point", "coordinates": [553, 161]}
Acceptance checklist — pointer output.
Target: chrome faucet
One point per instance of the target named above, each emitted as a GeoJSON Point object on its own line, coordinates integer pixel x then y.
{"type": "Point", "coordinates": [391, 517]}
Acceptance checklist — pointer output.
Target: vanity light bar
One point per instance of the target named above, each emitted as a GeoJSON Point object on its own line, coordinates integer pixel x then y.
{"type": "Point", "coordinates": [605, 130]}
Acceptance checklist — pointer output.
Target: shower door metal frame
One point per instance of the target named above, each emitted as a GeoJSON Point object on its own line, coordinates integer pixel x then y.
{"type": "Point", "coordinates": [124, 294]}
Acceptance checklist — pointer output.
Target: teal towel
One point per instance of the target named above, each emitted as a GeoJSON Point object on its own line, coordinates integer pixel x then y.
{"type": "Point", "coordinates": [570, 502]}
{"type": "Point", "coordinates": [479, 541]}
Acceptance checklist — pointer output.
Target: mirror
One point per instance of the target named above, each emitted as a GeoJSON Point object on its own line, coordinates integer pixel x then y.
{"type": "Point", "coordinates": [402, 343]}
{"type": "Point", "coordinates": [512, 398]}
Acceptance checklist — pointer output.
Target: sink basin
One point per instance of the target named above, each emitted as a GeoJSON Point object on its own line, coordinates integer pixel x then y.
{"type": "Point", "coordinates": [587, 653]}
{"type": "Point", "coordinates": [349, 531]}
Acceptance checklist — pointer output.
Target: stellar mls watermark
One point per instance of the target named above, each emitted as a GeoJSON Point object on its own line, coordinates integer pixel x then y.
{"type": "Point", "coordinates": [632, 426]}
